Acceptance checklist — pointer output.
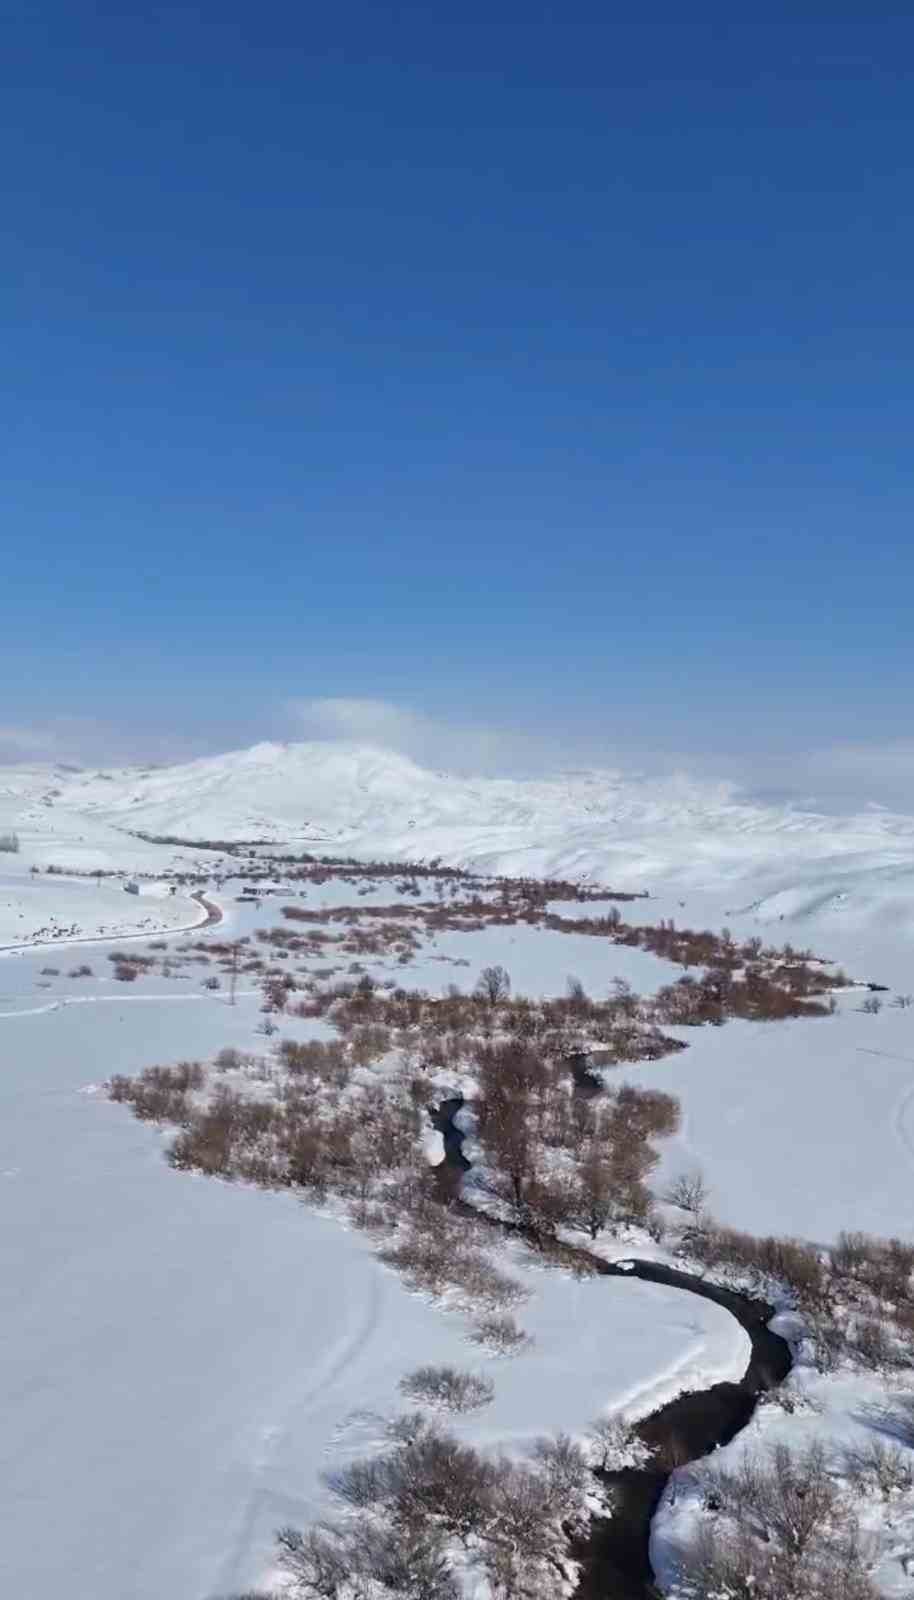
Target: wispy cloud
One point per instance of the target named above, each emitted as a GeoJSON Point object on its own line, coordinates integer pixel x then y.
{"type": "Point", "coordinates": [847, 776]}
{"type": "Point", "coordinates": [838, 777]}
{"type": "Point", "coordinates": [430, 741]}
{"type": "Point", "coordinates": [82, 741]}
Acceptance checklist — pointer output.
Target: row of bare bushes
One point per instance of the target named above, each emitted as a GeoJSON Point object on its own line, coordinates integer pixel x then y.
{"type": "Point", "coordinates": [407, 1509]}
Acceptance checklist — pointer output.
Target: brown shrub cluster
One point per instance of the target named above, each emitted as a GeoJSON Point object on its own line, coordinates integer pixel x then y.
{"type": "Point", "coordinates": [525, 1113]}
{"type": "Point", "coordinates": [160, 1094]}
{"type": "Point", "coordinates": [799, 1266]}
{"type": "Point", "coordinates": [427, 1489]}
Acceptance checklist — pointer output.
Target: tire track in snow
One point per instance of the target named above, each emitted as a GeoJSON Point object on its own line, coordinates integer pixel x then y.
{"type": "Point", "coordinates": [278, 1504]}
{"type": "Point", "coordinates": [904, 1133]}
{"type": "Point", "coordinates": [116, 999]}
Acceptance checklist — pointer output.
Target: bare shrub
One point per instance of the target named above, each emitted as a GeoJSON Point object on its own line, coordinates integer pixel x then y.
{"type": "Point", "coordinates": [325, 1060]}
{"type": "Point", "coordinates": [791, 1537]}
{"type": "Point", "coordinates": [849, 1254]}
{"type": "Point", "coordinates": [9, 844]}
{"type": "Point", "coordinates": [494, 985]}
{"type": "Point", "coordinates": [791, 1262]}
{"type": "Point", "coordinates": [159, 1094]}
{"type": "Point", "coordinates": [500, 1334]}
{"type": "Point", "coordinates": [447, 1388]}
{"type": "Point", "coordinates": [614, 1444]}
{"type": "Point", "coordinates": [872, 1005]}
{"type": "Point", "coordinates": [328, 1562]}
{"type": "Point", "coordinates": [873, 1344]}
{"type": "Point", "coordinates": [434, 1254]}
{"type": "Point", "coordinates": [883, 1266]}
{"type": "Point", "coordinates": [828, 1342]}
{"type": "Point", "coordinates": [369, 1044]}
{"type": "Point", "coordinates": [880, 1464]}
{"type": "Point", "coordinates": [689, 1192]}
{"type": "Point", "coordinates": [738, 1567]}
{"type": "Point", "coordinates": [565, 1468]}
{"type": "Point", "coordinates": [82, 971]}
{"type": "Point", "coordinates": [316, 1561]}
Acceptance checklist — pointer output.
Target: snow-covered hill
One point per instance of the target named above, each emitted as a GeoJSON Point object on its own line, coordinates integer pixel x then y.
{"type": "Point", "coordinates": [684, 840]}
{"type": "Point", "coordinates": [354, 797]}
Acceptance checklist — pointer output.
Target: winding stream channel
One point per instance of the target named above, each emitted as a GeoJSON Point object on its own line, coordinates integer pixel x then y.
{"type": "Point", "coordinates": [615, 1556]}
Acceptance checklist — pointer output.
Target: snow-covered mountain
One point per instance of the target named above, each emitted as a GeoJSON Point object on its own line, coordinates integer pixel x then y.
{"type": "Point", "coordinates": [360, 800]}
{"type": "Point", "coordinates": [676, 836]}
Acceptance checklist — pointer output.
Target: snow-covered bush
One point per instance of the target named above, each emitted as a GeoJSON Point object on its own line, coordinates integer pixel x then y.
{"type": "Point", "coordinates": [786, 1532]}
{"type": "Point", "coordinates": [448, 1388]}
{"type": "Point", "coordinates": [368, 1561]}
{"type": "Point", "coordinates": [500, 1334]}
{"type": "Point", "coordinates": [613, 1445]}
{"type": "Point", "coordinates": [881, 1465]}
{"type": "Point", "coordinates": [430, 1506]}
{"type": "Point", "coordinates": [9, 844]}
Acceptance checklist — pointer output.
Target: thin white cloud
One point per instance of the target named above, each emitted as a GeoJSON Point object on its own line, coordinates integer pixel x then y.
{"type": "Point", "coordinates": [429, 741]}
{"type": "Point", "coordinates": [841, 777]}
{"type": "Point", "coordinates": [81, 741]}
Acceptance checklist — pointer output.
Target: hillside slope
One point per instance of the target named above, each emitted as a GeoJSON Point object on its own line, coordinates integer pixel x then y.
{"type": "Point", "coordinates": [684, 840]}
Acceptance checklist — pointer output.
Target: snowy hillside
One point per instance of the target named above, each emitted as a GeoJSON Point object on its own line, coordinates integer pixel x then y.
{"type": "Point", "coordinates": [364, 800]}
{"type": "Point", "coordinates": [681, 839]}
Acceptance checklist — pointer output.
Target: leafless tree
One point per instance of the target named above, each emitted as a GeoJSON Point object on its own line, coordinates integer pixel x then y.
{"type": "Point", "coordinates": [494, 985]}
{"type": "Point", "coordinates": [689, 1192]}
{"type": "Point", "coordinates": [595, 1190]}
{"type": "Point", "coordinates": [565, 1468]}
{"type": "Point", "coordinates": [234, 964]}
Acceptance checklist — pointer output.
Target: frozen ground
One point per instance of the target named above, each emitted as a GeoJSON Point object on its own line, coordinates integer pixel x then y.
{"type": "Point", "coordinates": [172, 1390]}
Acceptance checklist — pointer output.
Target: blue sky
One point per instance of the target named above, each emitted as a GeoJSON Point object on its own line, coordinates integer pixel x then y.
{"type": "Point", "coordinates": [550, 374]}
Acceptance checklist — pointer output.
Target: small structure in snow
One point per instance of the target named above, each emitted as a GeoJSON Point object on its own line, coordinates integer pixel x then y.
{"type": "Point", "coordinates": [130, 887]}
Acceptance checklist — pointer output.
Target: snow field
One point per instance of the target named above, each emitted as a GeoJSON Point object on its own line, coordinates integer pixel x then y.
{"type": "Point", "coordinates": [184, 1359]}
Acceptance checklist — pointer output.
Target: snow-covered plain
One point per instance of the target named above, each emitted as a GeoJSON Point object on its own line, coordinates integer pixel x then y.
{"type": "Point", "coordinates": [62, 910]}
{"type": "Point", "coordinates": [183, 1360]}
{"type": "Point", "coordinates": [778, 1117]}
{"type": "Point", "coordinates": [802, 1127]}
{"type": "Point", "coordinates": [174, 1388]}
{"type": "Point", "coordinates": [700, 849]}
